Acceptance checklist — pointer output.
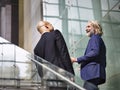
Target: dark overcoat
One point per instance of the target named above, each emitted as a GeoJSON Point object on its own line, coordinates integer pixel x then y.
{"type": "Point", "coordinates": [52, 47]}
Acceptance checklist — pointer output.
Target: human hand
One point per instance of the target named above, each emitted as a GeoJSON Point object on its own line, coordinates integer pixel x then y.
{"type": "Point", "coordinates": [73, 59]}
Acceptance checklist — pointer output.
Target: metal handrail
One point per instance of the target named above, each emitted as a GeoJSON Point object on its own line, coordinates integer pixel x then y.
{"type": "Point", "coordinates": [56, 73]}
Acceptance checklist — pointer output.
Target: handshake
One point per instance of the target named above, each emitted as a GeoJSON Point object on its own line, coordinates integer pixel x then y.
{"type": "Point", "coordinates": [73, 59]}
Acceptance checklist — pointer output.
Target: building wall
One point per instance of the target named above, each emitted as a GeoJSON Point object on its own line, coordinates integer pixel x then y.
{"type": "Point", "coordinates": [29, 15]}
{"type": "Point", "coordinates": [9, 20]}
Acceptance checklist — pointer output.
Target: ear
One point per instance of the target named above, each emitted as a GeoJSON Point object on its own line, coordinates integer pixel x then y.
{"type": "Point", "coordinates": [46, 27]}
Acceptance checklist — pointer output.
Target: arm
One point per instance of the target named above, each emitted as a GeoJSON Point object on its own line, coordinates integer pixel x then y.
{"type": "Point", "coordinates": [93, 50]}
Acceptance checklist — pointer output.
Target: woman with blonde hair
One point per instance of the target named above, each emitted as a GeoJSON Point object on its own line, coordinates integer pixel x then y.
{"type": "Point", "coordinates": [52, 47]}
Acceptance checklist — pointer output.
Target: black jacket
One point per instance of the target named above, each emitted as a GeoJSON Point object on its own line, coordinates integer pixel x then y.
{"type": "Point", "coordinates": [52, 47]}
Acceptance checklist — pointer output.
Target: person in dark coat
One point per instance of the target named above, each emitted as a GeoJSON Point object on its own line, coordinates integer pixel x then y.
{"type": "Point", "coordinates": [93, 63]}
{"type": "Point", "coordinates": [52, 47]}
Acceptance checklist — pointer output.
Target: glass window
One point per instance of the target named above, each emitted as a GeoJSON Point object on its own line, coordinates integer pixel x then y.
{"type": "Point", "coordinates": [112, 3]}
{"type": "Point", "coordinates": [86, 14]}
{"type": "Point", "coordinates": [83, 26]}
{"type": "Point", "coordinates": [117, 7]}
{"type": "Point", "coordinates": [114, 16]}
{"type": "Point", "coordinates": [104, 4]}
{"type": "Point", "coordinates": [51, 1]}
{"type": "Point", "coordinates": [7, 70]}
{"type": "Point", "coordinates": [21, 55]}
{"type": "Point", "coordinates": [1, 52]}
{"type": "Point", "coordinates": [73, 13]}
{"type": "Point", "coordinates": [104, 13]}
{"type": "Point", "coordinates": [50, 10]}
{"type": "Point", "coordinates": [74, 27]}
{"type": "Point", "coordinates": [71, 2]}
{"type": "Point", "coordinates": [8, 52]}
{"type": "Point", "coordinates": [24, 70]}
{"type": "Point", "coordinates": [85, 3]}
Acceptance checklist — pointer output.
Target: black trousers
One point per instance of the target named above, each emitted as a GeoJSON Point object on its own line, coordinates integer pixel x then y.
{"type": "Point", "coordinates": [91, 85]}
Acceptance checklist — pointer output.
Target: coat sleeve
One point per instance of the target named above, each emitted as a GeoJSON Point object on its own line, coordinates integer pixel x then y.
{"type": "Point", "coordinates": [62, 48]}
{"type": "Point", "coordinates": [92, 51]}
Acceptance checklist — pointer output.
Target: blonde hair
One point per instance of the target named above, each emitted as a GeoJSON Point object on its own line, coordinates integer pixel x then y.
{"type": "Point", "coordinates": [39, 24]}
{"type": "Point", "coordinates": [97, 27]}
{"type": "Point", "coordinates": [44, 23]}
